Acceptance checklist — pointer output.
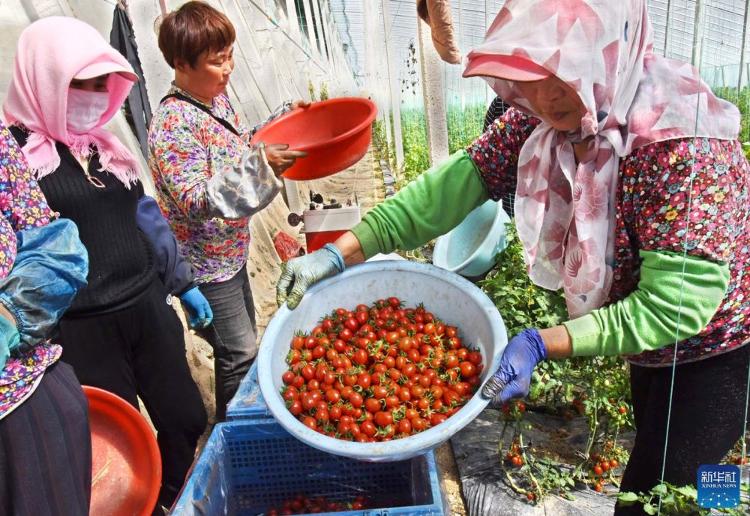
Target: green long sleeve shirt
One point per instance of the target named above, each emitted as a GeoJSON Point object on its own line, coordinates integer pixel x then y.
{"type": "Point", "coordinates": [675, 298]}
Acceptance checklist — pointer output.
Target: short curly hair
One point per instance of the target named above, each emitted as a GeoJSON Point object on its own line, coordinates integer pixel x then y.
{"type": "Point", "coordinates": [193, 29]}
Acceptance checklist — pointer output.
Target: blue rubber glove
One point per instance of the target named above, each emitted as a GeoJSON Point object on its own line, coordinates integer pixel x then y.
{"type": "Point", "coordinates": [299, 274]}
{"type": "Point", "coordinates": [199, 311]}
{"type": "Point", "coordinates": [9, 340]}
{"type": "Point", "coordinates": [520, 357]}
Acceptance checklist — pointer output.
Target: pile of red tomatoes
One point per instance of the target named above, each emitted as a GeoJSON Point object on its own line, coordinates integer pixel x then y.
{"type": "Point", "coordinates": [311, 505]}
{"type": "Point", "coordinates": [379, 372]}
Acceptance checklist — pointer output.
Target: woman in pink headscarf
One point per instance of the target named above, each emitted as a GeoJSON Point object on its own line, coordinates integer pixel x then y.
{"type": "Point", "coordinates": [120, 333]}
{"type": "Point", "coordinates": [631, 196]}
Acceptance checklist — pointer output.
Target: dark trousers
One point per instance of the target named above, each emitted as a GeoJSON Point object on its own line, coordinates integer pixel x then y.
{"type": "Point", "coordinates": [232, 334]}
{"type": "Point", "coordinates": [140, 351]}
{"type": "Point", "coordinates": [708, 414]}
{"type": "Point", "coordinates": [45, 450]}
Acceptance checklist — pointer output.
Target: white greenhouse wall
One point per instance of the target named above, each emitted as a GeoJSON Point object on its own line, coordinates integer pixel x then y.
{"type": "Point", "coordinates": [273, 58]}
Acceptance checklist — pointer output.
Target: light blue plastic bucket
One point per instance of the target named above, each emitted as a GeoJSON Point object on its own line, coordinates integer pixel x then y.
{"type": "Point", "coordinates": [470, 248]}
{"type": "Point", "coordinates": [450, 297]}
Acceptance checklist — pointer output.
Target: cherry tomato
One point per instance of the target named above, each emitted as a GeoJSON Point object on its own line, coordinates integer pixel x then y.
{"type": "Point", "coordinates": [404, 426]}
{"type": "Point", "coordinates": [295, 407]}
{"type": "Point", "coordinates": [379, 392]}
{"type": "Point", "coordinates": [294, 357]}
{"type": "Point", "coordinates": [360, 357]}
{"type": "Point", "coordinates": [451, 397]}
{"type": "Point", "coordinates": [372, 405]}
{"type": "Point", "coordinates": [468, 369]}
{"type": "Point", "coordinates": [333, 396]}
{"type": "Point", "coordinates": [363, 380]}
{"type": "Point", "coordinates": [461, 388]}
{"type": "Point", "coordinates": [291, 393]}
{"type": "Point", "coordinates": [308, 373]}
{"type": "Point", "coordinates": [451, 361]}
{"type": "Point", "coordinates": [383, 419]}
{"type": "Point", "coordinates": [356, 400]}
{"type": "Point", "coordinates": [436, 419]}
{"type": "Point", "coordinates": [418, 424]}
{"type": "Point", "coordinates": [351, 324]}
{"type": "Point", "coordinates": [392, 401]}
{"type": "Point", "coordinates": [368, 428]}
{"type": "Point", "coordinates": [413, 355]}
{"type": "Point", "coordinates": [298, 342]}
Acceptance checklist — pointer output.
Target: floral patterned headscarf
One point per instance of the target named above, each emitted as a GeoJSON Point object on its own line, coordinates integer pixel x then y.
{"type": "Point", "coordinates": [603, 49]}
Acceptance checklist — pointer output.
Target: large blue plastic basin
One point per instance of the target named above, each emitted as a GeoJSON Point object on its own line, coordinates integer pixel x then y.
{"type": "Point", "coordinates": [450, 297]}
{"type": "Point", "coordinates": [470, 248]}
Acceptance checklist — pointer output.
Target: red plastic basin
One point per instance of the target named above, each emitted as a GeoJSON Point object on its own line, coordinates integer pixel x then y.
{"type": "Point", "coordinates": [126, 465]}
{"type": "Point", "coordinates": [335, 133]}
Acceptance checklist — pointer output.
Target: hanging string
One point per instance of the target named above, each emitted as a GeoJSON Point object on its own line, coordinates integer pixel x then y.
{"type": "Point", "coordinates": [682, 287]}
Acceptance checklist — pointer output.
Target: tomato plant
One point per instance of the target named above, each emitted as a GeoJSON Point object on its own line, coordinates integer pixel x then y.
{"type": "Point", "coordinates": [671, 500]}
{"type": "Point", "coordinates": [596, 388]}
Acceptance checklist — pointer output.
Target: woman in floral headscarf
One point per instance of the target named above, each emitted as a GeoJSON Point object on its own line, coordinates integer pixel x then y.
{"type": "Point", "coordinates": [631, 196]}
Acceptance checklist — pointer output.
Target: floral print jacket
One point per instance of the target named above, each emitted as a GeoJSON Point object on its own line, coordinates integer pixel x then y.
{"type": "Point", "coordinates": [661, 185]}
{"type": "Point", "coordinates": [23, 206]}
{"type": "Point", "coordinates": [209, 181]}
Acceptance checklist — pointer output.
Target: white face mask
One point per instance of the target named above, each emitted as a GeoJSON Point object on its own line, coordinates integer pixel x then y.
{"type": "Point", "coordinates": [85, 109]}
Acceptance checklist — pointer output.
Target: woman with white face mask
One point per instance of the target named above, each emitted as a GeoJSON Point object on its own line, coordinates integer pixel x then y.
{"type": "Point", "coordinates": [120, 333]}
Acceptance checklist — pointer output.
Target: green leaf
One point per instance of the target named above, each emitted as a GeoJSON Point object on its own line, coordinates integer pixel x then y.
{"type": "Point", "coordinates": [649, 509]}
{"type": "Point", "coordinates": [659, 490]}
{"type": "Point", "coordinates": [688, 491]}
{"type": "Point", "coordinates": [627, 497]}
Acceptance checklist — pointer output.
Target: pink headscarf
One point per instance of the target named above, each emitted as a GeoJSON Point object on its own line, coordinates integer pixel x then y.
{"type": "Point", "coordinates": [51, 52]}
{"type": "Point", "coordinates": [603, 49]}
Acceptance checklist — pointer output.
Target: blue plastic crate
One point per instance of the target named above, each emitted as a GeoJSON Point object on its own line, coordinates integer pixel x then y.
{"type": "Point", "coordinates": [249, 466]}
{"type": "Point", "coordinates": [248, 403]}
